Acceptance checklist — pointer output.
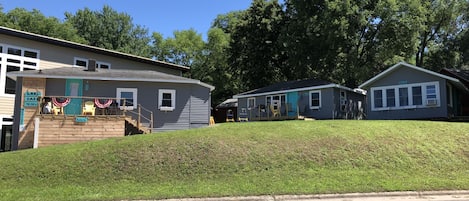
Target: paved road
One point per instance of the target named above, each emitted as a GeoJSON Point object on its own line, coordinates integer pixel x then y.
{"type": "Point", "coordinates": [391, 196]}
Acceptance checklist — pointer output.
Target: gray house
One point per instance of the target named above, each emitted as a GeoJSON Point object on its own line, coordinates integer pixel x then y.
{"type": "Point", "coordinates": [66, 105]}
{"type": "Point", "coordinates": [405, 91]}
{"type": "Point", "coordinates": [309, 98]}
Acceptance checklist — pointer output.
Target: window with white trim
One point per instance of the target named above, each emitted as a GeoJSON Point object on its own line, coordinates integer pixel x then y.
{"type": "Point", "coordinates": [166, 99]}
{"type": "Point", "coordinates": [275, 99]}
{"type": "Point", "coordinates": [408, 96]}
{"type": "Point", "coordinates": [81, 62]}
{"type": "Point", "coordinates": [14, 58]}
{"type": "Point", "coordinates": [251, 103]}
{"type": "Point", "coordinates": [315, 99]}
{"type": "Point", "coordinates": [127, 98]}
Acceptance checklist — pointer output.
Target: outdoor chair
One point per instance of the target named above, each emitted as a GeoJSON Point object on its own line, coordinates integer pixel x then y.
{"type": "Point", "coordinates": [275, 110]}
{"type": "Point", "coordinates": [89, 108]}
{"type": "Point", "coordinates": [57, 110]}
{"type": "Point", "coordinates": [229, 116]}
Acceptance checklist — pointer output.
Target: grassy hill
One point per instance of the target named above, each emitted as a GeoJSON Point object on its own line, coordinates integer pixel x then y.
{"type": "Point", "coordinates": [289, 157]}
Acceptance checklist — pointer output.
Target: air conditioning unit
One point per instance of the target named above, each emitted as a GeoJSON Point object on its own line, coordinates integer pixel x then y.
{"type": "Point", "coordinates": [431, 102]}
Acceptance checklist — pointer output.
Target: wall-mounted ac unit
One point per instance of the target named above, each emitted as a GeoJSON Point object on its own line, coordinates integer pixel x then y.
{"type": "Point", "coordinates": [432, 102]}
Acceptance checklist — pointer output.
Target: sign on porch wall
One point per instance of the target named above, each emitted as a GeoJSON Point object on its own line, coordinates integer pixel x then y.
{"type": "Point", "coordinates": [31, 98]}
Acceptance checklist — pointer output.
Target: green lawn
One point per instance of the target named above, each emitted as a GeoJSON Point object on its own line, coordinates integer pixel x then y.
{"type": "Point", "coordinates": [255, 158]}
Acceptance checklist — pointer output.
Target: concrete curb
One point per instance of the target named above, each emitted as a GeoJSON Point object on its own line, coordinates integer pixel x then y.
{"type": "Point", "coordinates": [329, 196]}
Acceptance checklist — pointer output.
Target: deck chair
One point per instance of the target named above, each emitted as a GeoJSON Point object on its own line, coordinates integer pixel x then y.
{"type": "Point", "coordinates": [89, 108]}
{"type": "Point", "coordinates": [275, 112]}
{"type": "Point", "coordinates": [229, 116]}
{"type": "Point", "coordinates": [57, 110]}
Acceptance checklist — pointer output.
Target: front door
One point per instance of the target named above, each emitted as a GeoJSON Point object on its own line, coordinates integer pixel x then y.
{"type": "Point", "coordinates": [292, 100]}
{"type": "Point", "coordinates": [74, 88]}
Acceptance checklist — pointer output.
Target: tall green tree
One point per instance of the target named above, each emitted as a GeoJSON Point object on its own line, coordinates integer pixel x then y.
{"type": "Point", "coordinates": [439, 28]}
{"type": "Point", "coordinates": [35, 22]}
{"type": "Point", "coordinates": [110, 29]}
{"type": "Point", "coordinates": [184, 48]}
{"type": "Point", "coordinates": [255, 56]}
{"type": "Point", "coordinates": [348, 41]}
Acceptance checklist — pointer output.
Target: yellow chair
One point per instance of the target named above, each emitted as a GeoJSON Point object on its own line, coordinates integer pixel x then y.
{"type": "Point", "coordinates": [57, 110]}
{"type": "Point", "coordinates": [89, 108]}
{"type": "Point", "coordinates": [275, 112]}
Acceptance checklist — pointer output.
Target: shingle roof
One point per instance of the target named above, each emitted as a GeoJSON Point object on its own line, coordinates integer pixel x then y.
{"type": "Point", "coordinates": [106, 74]}
{"type": "Point", "coordinates": [461, 74]}
{"type": "Point", "coordinates": [289, 86]}
{"type": "Point", "coordinates": [69, 44]}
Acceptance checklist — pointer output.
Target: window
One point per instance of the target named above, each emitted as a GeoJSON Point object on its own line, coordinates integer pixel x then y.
{"type": "Point", "coordinates": [417, 95]}
{"type": "Point", "coordinates": [127, 98]}
{"type": "Point", "coordinates": [80, 62]}
{"type": "Point", "coordinates": [103, 65]}
{"type": "Point", "coordinates": [409, 96]}
{"type": "Point", "coordinates": [14, 58]}
{"type": "Point", "coordinates": [251, 103]}
{"type": "Point", "coordinates": [403, 97]}
{"type": "Point", "coordinates": [275, 99]}
{"type": "Point", "coordinates": [378, 98]}
{"type": "Point", "coordinates": [431, 92]}
{"type": "Point", "coordinates": [166, 99]}
{"type": "Point", "coordinates": [390, 97]}
{"type": "Point", "coordinates": [315, 99]}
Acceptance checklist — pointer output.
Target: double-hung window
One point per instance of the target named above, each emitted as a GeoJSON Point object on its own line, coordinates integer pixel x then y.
{"type": "Point", "coordinates": [403, 96]}
{"type": "Point", "coordinates": [166, 99]}
{"type": "Point", "coordinates": [127, 98]}
{"type": "Point", "coordinates": [417, 95]}
{"type": "Point", "coordinates": [315, 99]}
{"type": "Point", "coordinates": [406, 96]}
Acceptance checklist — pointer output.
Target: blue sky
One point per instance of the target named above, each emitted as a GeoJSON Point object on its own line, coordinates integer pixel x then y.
{"type": "Point", "coordinates": [163, 16]}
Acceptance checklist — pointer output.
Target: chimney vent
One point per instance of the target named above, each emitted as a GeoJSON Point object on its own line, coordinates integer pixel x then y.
{"type": "Point", "coordinates": [91, 65]}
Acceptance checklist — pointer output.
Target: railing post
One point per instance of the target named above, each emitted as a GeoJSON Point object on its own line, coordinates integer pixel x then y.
{"type": "Point", "coordinates": [151, 121]}
{"type": "Point", "coordinates": [139, 115]}
{"type": "Point", "coordinates": [123, 107]}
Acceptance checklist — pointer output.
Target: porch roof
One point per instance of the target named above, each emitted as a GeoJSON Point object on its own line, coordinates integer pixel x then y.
{"type": "Point", "coordinates": [107, 75]}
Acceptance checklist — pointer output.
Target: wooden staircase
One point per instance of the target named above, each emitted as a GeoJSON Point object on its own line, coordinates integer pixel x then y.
{"type": "Point", "coordinates": [132, 127]}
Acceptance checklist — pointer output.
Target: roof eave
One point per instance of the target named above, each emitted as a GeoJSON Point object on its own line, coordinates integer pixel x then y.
{"type": "Point", "coordinates": [392, 68]}
{"type": "Point", "coordinates": [293, 90]}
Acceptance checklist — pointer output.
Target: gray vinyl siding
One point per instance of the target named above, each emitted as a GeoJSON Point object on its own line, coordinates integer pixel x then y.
{"type": "Point", "coordinates": [192, 101]}
{"type": "Point", "coordinates": [330, 104]}
{"type": "Point", "coordinates": [406, 75]}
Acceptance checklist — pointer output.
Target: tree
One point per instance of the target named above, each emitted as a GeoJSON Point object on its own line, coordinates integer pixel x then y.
{"type": "Point", "coordinates": [111, 30]}
{"type": "Point", "coordinates": [439, 27]}
{"type": "Point", "coordinates": [185, 48]}
{"type": "Point", "coordinates": [254, 53]}
{"type": "Point", "coordinates": [35, 22]}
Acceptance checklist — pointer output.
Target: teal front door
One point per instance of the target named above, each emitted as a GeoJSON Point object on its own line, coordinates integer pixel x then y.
{"type": "Point", "coordinates": [292, 100]}
{"type": "Point", "coordinates": [74, 88]}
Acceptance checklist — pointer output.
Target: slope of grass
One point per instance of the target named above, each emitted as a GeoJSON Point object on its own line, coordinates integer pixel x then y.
{"type": "Point", "coordinates": [289, 157]}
